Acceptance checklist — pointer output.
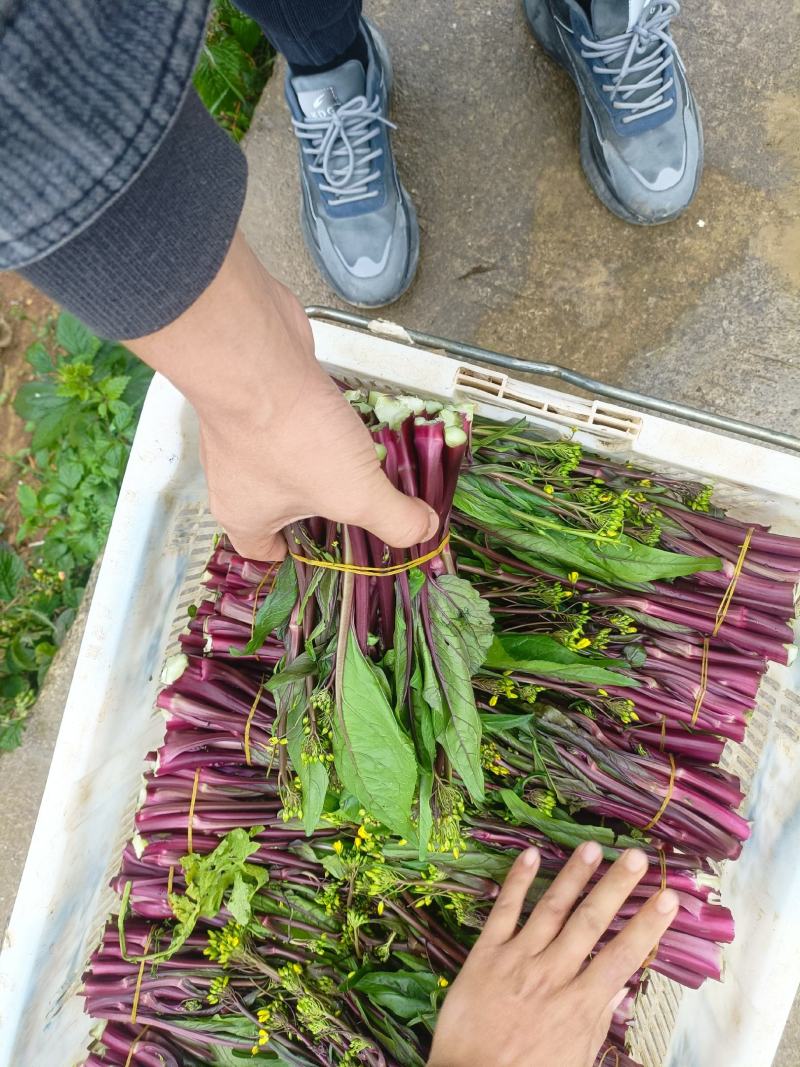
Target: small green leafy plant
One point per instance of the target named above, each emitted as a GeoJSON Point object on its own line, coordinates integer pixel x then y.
{"type": "Point", "coordinates": [233, 68]}
{"type": "Point", "coordinates": [81, 408]}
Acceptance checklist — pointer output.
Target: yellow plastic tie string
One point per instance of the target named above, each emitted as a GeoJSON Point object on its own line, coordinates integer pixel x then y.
{"type": "Point", "coordinates": [662, 859]}
{"type": "Point", "coordinates": [616, 1058]}
{"type": "Point", "coordinates": [663, 742]}
{"type": "Point", "coordinates": [191, 810]}
{"type": "Point", "coordinates": [667, 798]}
{"type": "Point", "coordinates": [137, 991]}
{"type": "Point", "coordinates": [249, 723]}
{"type": "Point", "coordinates": [375, 572]}
{"type": "Point", "coordinates": [135, 1046]}
{"type": "Point", "coordinates": [727, 597]}
{"type": "Point", "coordinates": [701, 692]}
{"type": "Point", "coordinates": [170, 879]}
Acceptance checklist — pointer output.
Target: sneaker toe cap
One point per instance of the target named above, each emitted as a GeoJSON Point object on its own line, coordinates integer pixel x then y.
{"type": "Point", "coordinates": [372, 264]}
{"type": "Point", "coordinates": [655, 177]}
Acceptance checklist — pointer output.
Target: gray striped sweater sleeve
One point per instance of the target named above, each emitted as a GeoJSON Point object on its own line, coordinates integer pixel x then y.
{"type": "Point", "coordinates": [119, 195]}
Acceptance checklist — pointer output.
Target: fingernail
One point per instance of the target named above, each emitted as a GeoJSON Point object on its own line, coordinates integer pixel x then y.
{"type": "Point", "coordinates": [433, 524]}
{"type": "Point", "coordinates": [530, 857]}
{"type": "Point", "coordinates": [618, 999]}
{"type": "Point", "coordinates": [635, 860]}
{"type": "Point", "coordinates": [667, 901]}
{"type": "Point", "coordinates": [590, 852]}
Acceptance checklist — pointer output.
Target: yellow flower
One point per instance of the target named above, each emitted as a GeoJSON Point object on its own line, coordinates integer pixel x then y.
{"type": "Point", "coordinates": [254, 1051]}
{"type": "Point", "coordinates": [602, 692]}
{"type": "Point", "coordinates": [443, 983]}
{"type": "Point", "coordinates": [337, 847]}
{"type": "Point", "coordinates": [297, 968]}
{"type": "Point", "coordinates": [380, 907]}
{"type": "Point", "coordinates": [263, 1037]}
{"type": "Point", "coordinates": [263, 1014]}
{"type": "Point", "coordinates": [402, 842]}
{"type": "Point", "coordinates": [573, 576]}
{"type": "Point", "coordinates": [493, 701]}
{"type": "Point", "coordinates": [549, 490]}
{"type": "Point", "coordinates": [583, 643]}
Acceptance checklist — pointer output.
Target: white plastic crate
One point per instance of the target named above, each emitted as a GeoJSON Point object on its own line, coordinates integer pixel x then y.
{"type": "Point", "coordinates": [153, 564]}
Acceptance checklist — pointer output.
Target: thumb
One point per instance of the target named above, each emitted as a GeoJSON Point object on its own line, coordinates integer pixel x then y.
{"type": "Point", "coordinates": [397, 519]}
{"type": "Point", "coordinates": [263, 548]}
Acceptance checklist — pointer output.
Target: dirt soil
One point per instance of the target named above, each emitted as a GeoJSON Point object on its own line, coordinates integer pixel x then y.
{"type": "Point", "coordinates": [24, 315]}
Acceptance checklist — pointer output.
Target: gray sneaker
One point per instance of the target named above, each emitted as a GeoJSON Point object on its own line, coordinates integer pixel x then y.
{"type": "Point", "coordinates": [358, 221]}
{"type": "Point", "coordinates": [641, 138]}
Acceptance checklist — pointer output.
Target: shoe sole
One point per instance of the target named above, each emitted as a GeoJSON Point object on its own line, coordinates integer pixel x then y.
{"type": "Point", "coordinates": [540, 24]}
{"type": "Point", "coordinates": [408, 206]}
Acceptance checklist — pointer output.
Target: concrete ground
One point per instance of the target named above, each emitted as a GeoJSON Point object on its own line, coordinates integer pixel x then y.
{"type": "Point", "coordinates": [518, 256]}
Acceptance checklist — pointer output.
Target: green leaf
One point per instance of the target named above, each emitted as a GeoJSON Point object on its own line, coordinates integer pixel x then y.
{"type": "Point", "coordinates": [466, 611]}
{"type": "Point", "coordinates": [416, 580]}
{"type": "Point", "coordinates": [425, 731]}
{"type": "Point", "coordinates": [28, 501]}
{"type": "Point", "coordinates": [298, 669]}
{"type": "Point", "coordinates": [276, 609]}
{"type": "Point", "coordinates": [431, 691]}
{"type": "Point", "coordinates": [374, 758]}
{"type": "Point", "coordinates": [400, 664]}
{"type": "Point", "coordinates": [220, 71]}
{"type": "Point", "coordinates": [622, 561]}
{"type": "Point", "coordinates": [564, 831]}
{"type": "Point", "coordinates": [39, 358]}
{"type": "Point", "coordinates": [246, 31]}
{"type": "Point", "coordinates": [541, 647]}
{"type": "Point", "coordinates": [314, 777]}
{"type": "Point", "coordinates": [239, 900]}
{"type": "Point", "coordinates": [583, 673]}
{"type": "Point", "coordinates": [461, 739]}
{"type": "Point", "coordinates": [69, 472]}
{"type": "Point", "coordinates": [334, 866]}
{"type": "Point", "coordinates": [112, 388]}
{"type": "Point", "coordinates": [406, 994]}
{"type": "Point", "coordinates": [40, 404]}
{"type": "Point", "coordinates": [74, 336]}
{"type": "Point", "coordinates": [498, 723]}
{"type": "Point", "coordinates": [11, 571]}
{"type": "Point", "coordinates": [660, 625]}
{"type": "Point", "coordinates": [209, 879]}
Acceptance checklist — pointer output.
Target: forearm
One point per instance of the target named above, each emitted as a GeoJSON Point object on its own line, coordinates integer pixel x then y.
{"type": "Point", "coordinates": [240, 346]}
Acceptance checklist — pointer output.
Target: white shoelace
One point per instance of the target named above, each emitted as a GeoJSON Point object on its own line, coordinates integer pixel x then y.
{"type": "Point", "coordinates": [649, 39]}
{"type": "Point", "coordinates": [339, 149]}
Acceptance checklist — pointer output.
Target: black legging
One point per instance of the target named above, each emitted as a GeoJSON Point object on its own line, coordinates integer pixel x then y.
{"type": "Point", "coordinates": [308, 32]}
